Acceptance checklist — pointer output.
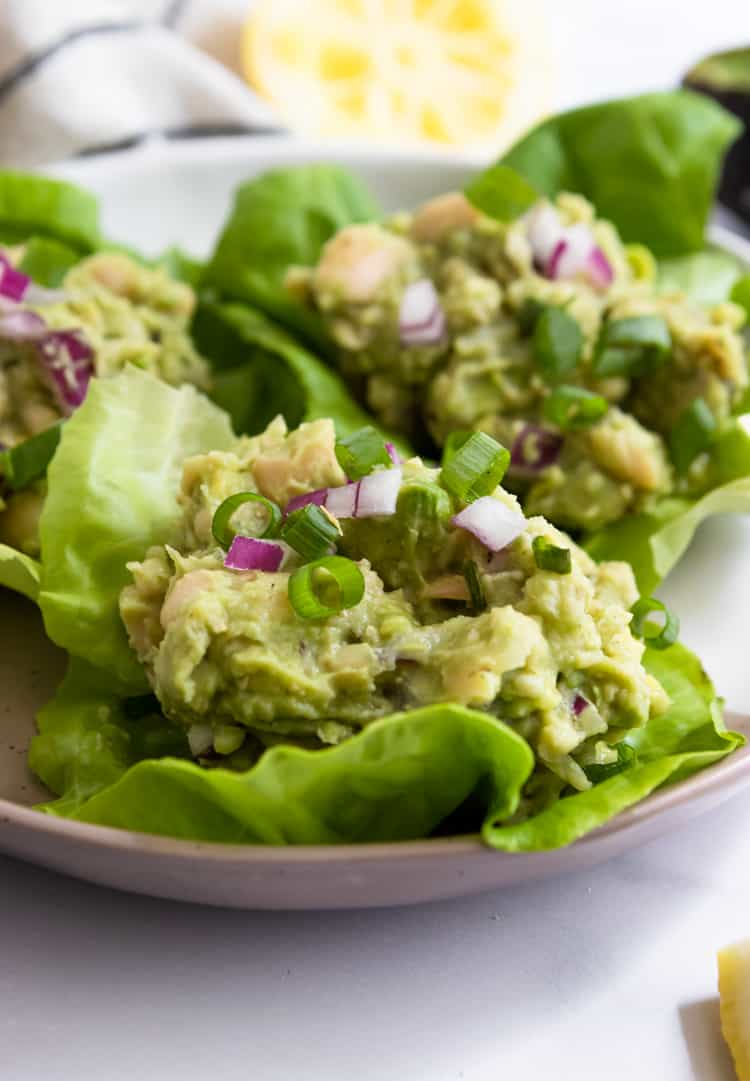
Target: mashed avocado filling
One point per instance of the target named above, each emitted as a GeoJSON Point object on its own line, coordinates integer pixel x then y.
{"type": "Point", "coordinates": [494, 366]}
{"type": "Point", "coordinates": [550, 654]}
{"type": "Point", "coordinates": [127, 314]}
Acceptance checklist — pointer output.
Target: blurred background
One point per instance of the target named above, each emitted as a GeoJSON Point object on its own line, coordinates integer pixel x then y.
{"type": "Point", "coordinates": [464, 75]}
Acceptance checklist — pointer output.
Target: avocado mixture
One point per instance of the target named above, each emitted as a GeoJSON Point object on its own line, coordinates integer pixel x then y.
{"type": "Point", "coordinates": [512, 335]}
{"type": "Point", "coordinates": [549, 652]}
{"type": "Point", "coordinates": [127, 314]}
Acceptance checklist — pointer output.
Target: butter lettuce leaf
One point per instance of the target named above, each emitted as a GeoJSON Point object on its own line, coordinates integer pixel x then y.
{"type": "Point", "coordinates": [260, 371]}
{"type": "Point", "coordinates": [281, 219]}
{"type": "Point", "coordinates": [650, 164]}
{"type": "Point", "coordinates": [653, 541]}
{"type": "Point", "coordinates": [398, 779]}
{"type": "Point", "coordinates": [112, 489]}
{"type": "Point", "coordinates": [32, 205]}
{"type": "Point", "coordinates": [19, 572]}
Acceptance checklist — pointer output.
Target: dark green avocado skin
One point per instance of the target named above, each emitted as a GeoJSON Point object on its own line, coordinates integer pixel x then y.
{"type": "Point", "coordinates": [725, 77]}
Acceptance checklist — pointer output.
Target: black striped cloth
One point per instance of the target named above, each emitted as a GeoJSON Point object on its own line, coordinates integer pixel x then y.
{"type": "Point", "coordinates": [84, 76]}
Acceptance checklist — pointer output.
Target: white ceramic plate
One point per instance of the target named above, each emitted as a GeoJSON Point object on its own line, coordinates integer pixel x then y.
{"type": "Point", "coordinates": [159, 195]}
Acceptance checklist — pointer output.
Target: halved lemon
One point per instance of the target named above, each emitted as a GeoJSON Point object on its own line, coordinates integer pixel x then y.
{"type": "Point", "coordinates": [734, 1000]}
{"type": "Point", "coordinates": [450, 72]}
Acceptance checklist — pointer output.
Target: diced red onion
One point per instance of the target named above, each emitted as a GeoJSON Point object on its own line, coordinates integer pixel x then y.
{"type": "Point", "coordinates": [378, 493]}
{"type": "Point", "coordinates": [491, 522]}
{"type": "Point", "coordinates": [393, 454]}
{"type": "Point", "coordinates": [421, 319]}
{"type": "Point", "coordinates": [374, 496]}
{"type": "Point", "coordinates": [200, 738]}
{"type": "Point", "coordinates": [551, 270]}
{"type": "Point", "coordinates": [317, 497]}
{"type": "Point", "coordinates": [545, 231]}
{"type": "Point", "coordinates": [17, 286]}
{"type": "Point", "coordinates": [579, 704]}
{"type": "Point", "coordinates": [20, 325]}
{"type": "Point", "coordinates": [251, 554]}
{"type": "Point", "coordinates": [68, 363]}
{"type": "Point", "coordinates": [573, 259]}
{"type": "Point", "coordinates": [534, 449]}
{"type": "Point", "coordinates": [600, 272]}
{"type": "Point", "coordinates": [342, 502]}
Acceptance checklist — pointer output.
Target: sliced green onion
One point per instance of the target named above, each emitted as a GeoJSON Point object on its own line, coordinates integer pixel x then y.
{"type": "Point", "coordinates": [228, 738]}
{"type": "Point", "coordinates": [558, 343]}
{"type": "Point", "coordinates": [221, 524]}
{"type": "Point", "coordinates": [548, 557]}
{"type": "Point", "coordinates": [476, 468]}
{"type": "Point", "coordinates": [28, 461]}
{"type": "Point", "coordinates": [653, 635]}
{"type": "Point", "coordinates": [601, 771]}
{"type": "Point", "coordinates": [694, 432]}
{"type": "Point", "coordinates": [420, 502]}
{"type": "Point", "coordinates": [454, 442]}
{"type": "Point", "coordinates": [359, 453]}
{"type": "Point", "coordinates": [310, 531]}
{"type": "Point", "coordinates": [326, 587]}
{"type": "Point", "coordinates": [631, 346]}
{"type": "Point", "coordinates": [475, 587]}
{"type": "Point", "coordinates": [573, 408]}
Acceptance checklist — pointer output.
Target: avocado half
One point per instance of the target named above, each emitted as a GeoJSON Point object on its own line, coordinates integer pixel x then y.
{"type": "Point", "coordinates": [725, 77]}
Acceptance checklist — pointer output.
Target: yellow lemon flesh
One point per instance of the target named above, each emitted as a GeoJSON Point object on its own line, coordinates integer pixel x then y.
{"type": "Point", "coordinates": [734, 998]}
{"type": "Point", "coordinates": [466, 73]}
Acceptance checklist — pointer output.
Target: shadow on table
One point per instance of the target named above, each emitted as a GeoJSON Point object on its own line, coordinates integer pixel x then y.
{"type": "Point", "coordinates": [709, 1055]}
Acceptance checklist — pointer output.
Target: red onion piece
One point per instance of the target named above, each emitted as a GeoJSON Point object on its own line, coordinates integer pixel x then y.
{"type": "Point", "coordinates": [491, 522]}
{"type": "Point", "coordinates": [545, 231]}
{"type": "Point", "coordinates": [421, 319]}
{"type": "Point", "coordinates": [342, 502]}
{"type": "Point", "coordinates": [551, 270]}
{"type": "Point", "coordinates": [393, 454]}
{"type": "Point", "coordinates": [317, 497]}
{"type": "Point", "coordinates": [579, 704]}
{"type": "Point", "coordinates": [68, 363]}
{"type": "Point", "coordinates": [600, 272]}
{"type": "Point", "coordinates": [534, 449]}
{"type": "Point", "coordinates": [251, 554]}
{"type": "Point", "coordinates": [13, 284]}
{"type": "Point", "coordinates": [378, 493]}
{"type": "Point", "coordinates": [20, 325]}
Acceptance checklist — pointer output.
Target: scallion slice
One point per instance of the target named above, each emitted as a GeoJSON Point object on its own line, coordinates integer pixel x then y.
{"type": "Point", "coordinates": [558, 343]}
{"type": "Point", "coordinates": [454, 442]}
{"type": "Point", "coordinates": [694, 432]}
{"type": "Point", "coordinates": [476, 468]}
{"type": "Point", "coordinates": [421, 503]}
{"type": "Point", "coordinates": [631, 346]}
{"type": "Point", "coordinates": [360, 452]}
{"type": "Point", "coordinates": [573, 408]}
{"type": "Point", "coordinates": [658, 637]}
{"type": "Point", "coordinates": [549, 557]}
{"type": "Point", "coordinates": [474, 585]}
{"type": "Point", "coordinates": [602, 771]}
{"type": "Point", "coordinates": [28, 461]}
{"type": "Point", "coordinates": [326, 587]}
{"type": "Point", "coordinates": [310, 531]}
{"type": "Point", "coordinates": [221, 526]}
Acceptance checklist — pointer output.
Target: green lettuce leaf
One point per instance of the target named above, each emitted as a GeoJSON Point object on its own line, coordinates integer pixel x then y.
{"type": "Point", "coordinates": [397, 779]}
{"type": "Point", "coordinates": [706, 277]}
{"type": "Point", "coordinates": [19, 572]}
{"type": "Point", "coordinates": [688, 737]}
{"type": "Point", "coordinates": [282, 219]}
{"type": "Point", "coordinates": [48, 261]}
{"type": "Point", "coordinates": [32, 205]}
{"type": "Point", "coordinates": [260, 371]}
{"type": "Point", "coordinates": [112, 492]}
{"type": "Point", "coordinates": [650, 164]}
{"type": "Point", "coordinates": [652, 542]}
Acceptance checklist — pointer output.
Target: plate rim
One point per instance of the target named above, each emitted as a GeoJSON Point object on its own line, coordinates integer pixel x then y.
{"type": "Point", "coordinates": [725, 773]}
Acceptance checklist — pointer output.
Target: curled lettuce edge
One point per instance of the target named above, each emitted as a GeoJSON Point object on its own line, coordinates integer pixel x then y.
{"type": "Point", "coordinates": [19, 572]}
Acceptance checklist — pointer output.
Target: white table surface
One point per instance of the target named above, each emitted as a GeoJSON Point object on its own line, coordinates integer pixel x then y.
{"type": "Point", "coordinates": [609, 974]}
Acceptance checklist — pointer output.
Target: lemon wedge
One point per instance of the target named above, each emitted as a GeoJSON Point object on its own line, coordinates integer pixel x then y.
{"type": "Point", "coordinates": [467, 73]}
{"type": "Point", "coordinates": [734, 999]}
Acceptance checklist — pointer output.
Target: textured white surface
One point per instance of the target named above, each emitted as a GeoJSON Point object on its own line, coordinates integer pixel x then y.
{"type": "Point", "coordinates": [606, 975]}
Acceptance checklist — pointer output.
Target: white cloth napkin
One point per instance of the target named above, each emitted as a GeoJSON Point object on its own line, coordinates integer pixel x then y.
{"type": "Point", "coordinates": [78, 76]}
